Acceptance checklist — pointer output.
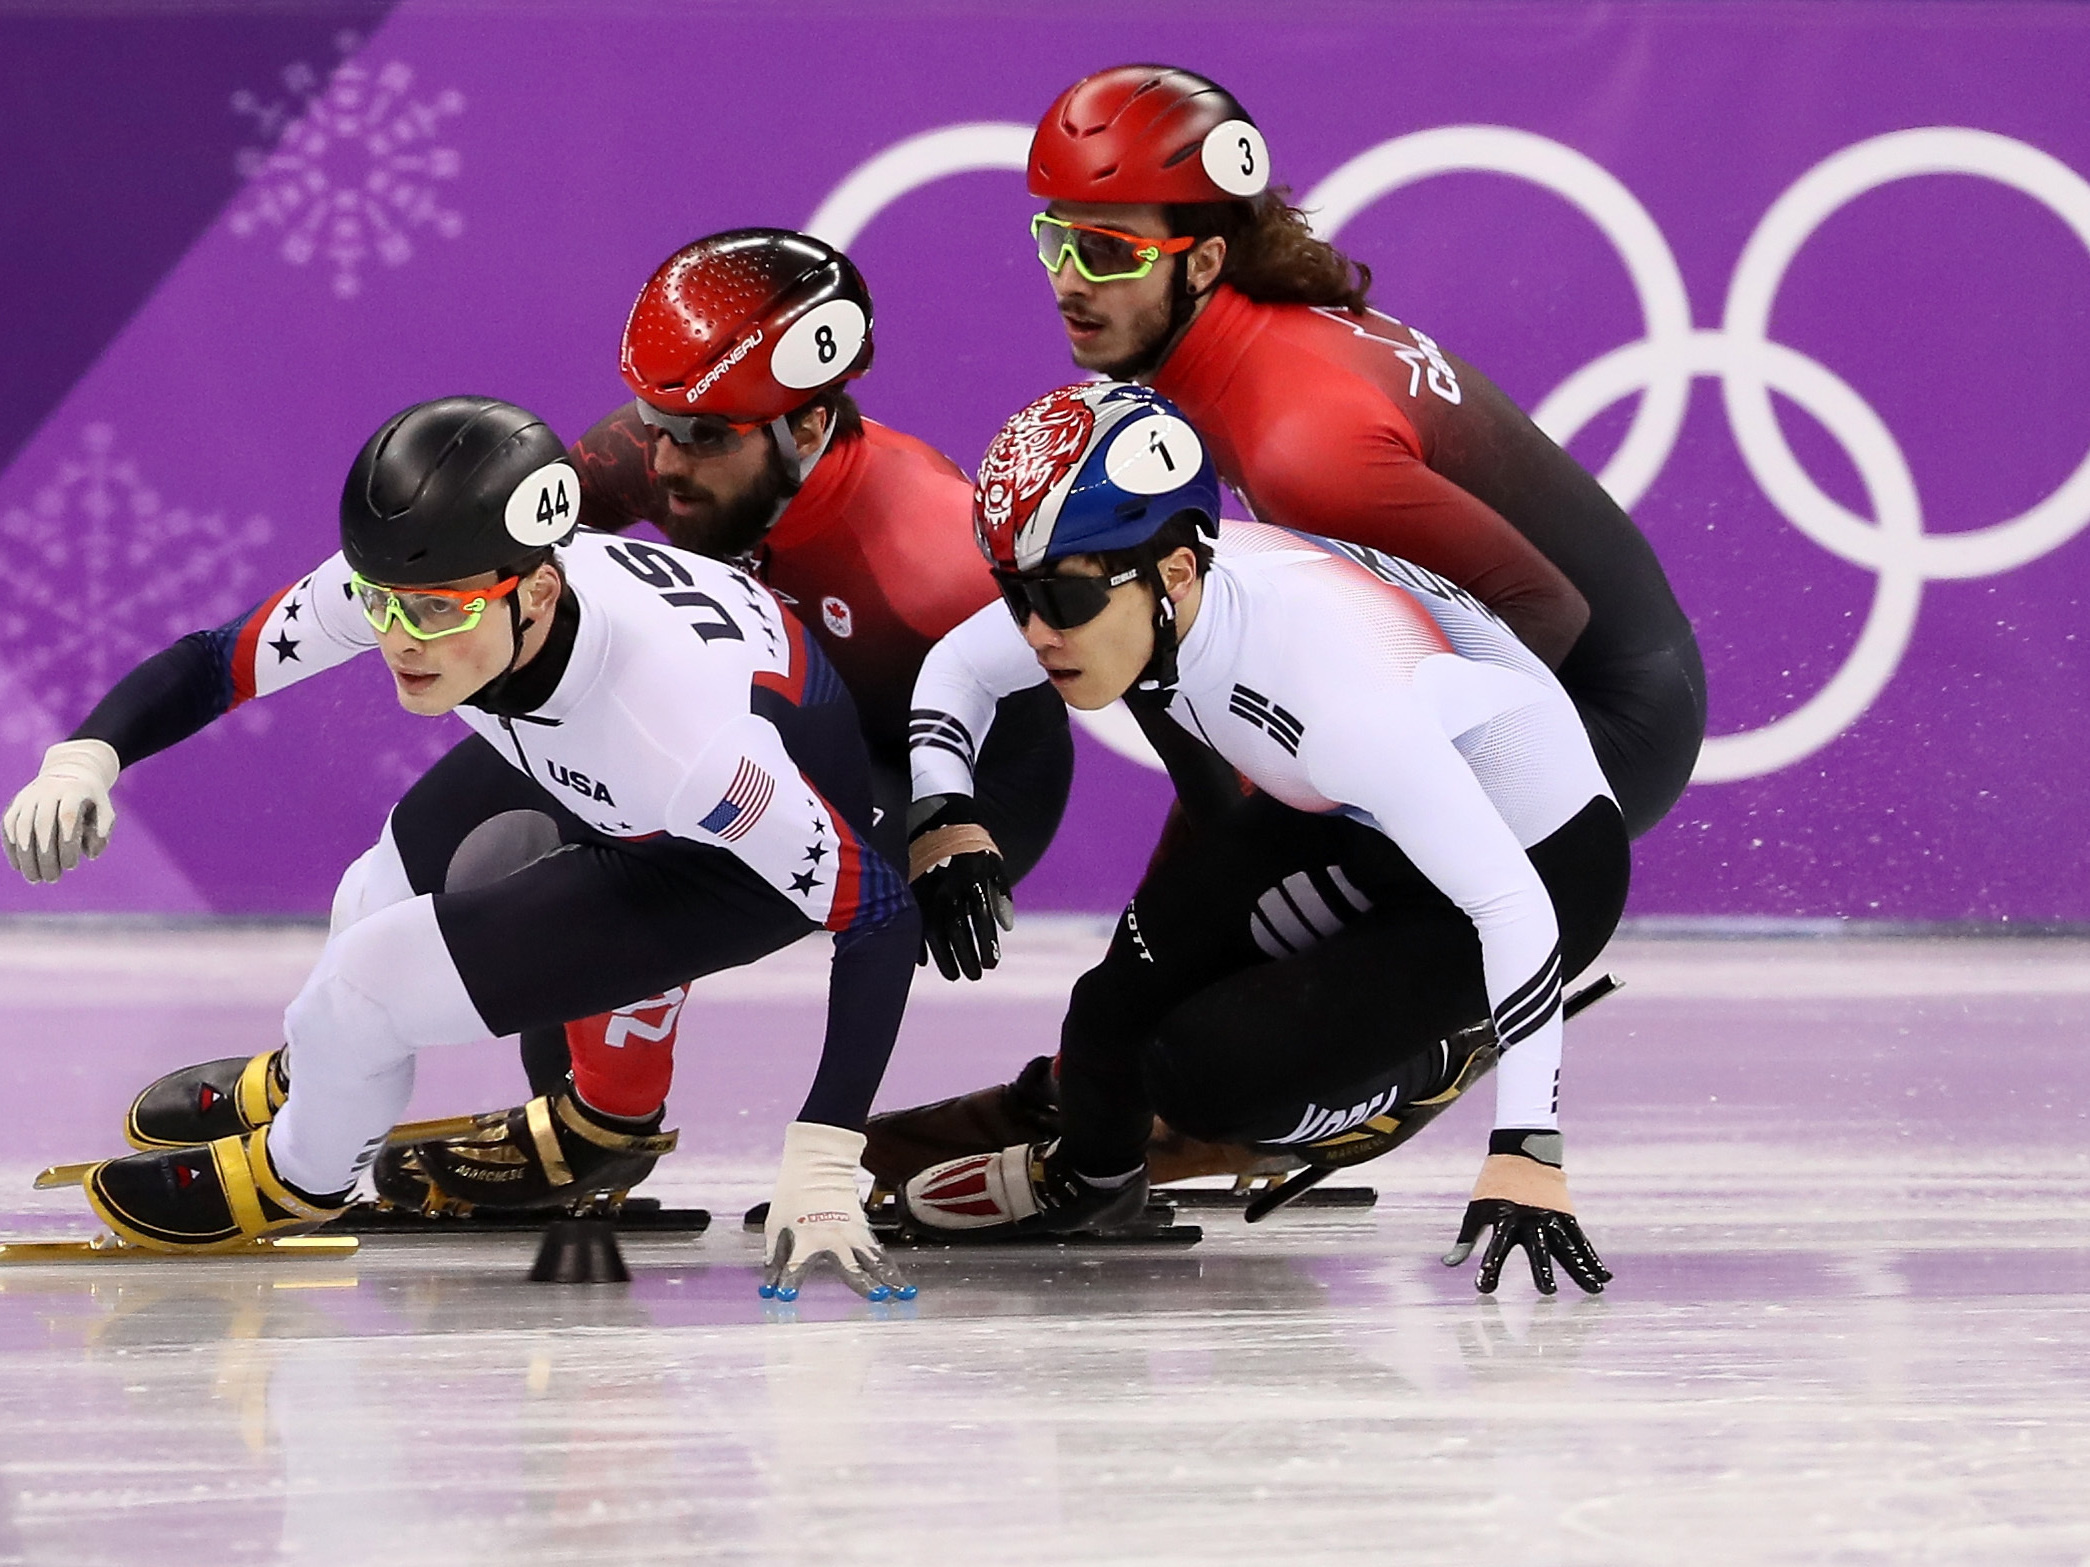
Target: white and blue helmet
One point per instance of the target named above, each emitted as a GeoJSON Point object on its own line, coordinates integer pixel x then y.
{"type": "Point", "coordinates": [1100, 465]}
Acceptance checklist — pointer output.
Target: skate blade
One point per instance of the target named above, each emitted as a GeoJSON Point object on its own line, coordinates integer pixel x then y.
{"type": "Point", "coordinates": [105, 1246]}
{"type": "Point", "coordinates": [1240, 1197]}
{"type": "Point", "coordinates": [64, 1175]}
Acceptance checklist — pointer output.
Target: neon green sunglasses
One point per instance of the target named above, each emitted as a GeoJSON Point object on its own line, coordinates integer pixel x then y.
{"type": "Point", "coordinates": [426, 613]}
{"type": "Point", "coordinates": [1100, 255]}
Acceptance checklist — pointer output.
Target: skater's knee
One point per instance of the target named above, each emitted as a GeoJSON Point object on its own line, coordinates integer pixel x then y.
{"type": "Point", "coordinates": [384, 987]}
{"type": "Point", "coordinates": [1187, 1080]}
{"type": "Point", "coordinates": [500, 846]}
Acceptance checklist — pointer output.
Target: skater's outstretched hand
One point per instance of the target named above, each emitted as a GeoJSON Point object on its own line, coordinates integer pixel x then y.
{"type": "Point", "coordinates": [63, 815]}
{"type": "Point", "coordinates": [816, 1214]}
{"type": "Point", "coordinates": [963, 889]}
{"type": "Point", "coordinates": [1522, 1194]}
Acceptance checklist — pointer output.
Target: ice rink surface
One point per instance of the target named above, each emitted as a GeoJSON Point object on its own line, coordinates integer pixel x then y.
{"type": "Point", "coordinates": [1843, 1184]}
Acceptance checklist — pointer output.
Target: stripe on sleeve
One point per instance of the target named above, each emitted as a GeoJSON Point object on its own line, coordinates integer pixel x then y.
{"type": "Point", "coordinates": [249, 639]}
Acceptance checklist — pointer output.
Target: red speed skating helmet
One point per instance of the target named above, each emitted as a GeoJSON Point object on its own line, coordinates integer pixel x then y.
{"type": "Point", "coordinates": [1137, 134]}
{"type": "Point", "coordinates": [747, 325]}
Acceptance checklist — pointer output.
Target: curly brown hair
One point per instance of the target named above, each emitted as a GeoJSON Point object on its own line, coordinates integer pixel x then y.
{"type": "Point", "coordinates": [1272, 256]}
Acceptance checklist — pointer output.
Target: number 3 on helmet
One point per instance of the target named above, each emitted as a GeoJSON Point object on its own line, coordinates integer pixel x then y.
{"type": "Point", "coordinates": [1138, 134]}
{"type": "Point", "coordinates": [747, 326]}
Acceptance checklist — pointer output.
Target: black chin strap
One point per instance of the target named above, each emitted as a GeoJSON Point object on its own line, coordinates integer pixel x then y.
{"type": "Point", "coordinates": [521, 688]}
{"type": "Point", "coordinates": [490, 693]}
{"type": "Point", "coordinates": [1157, 682]}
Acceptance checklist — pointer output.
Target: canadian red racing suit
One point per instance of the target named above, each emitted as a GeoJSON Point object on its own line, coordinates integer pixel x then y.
{"type": "Point", "coordinates": [1362, 428]}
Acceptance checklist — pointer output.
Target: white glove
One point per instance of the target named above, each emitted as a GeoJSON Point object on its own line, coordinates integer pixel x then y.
{"type": "Point", "coordinates": [64, 813]}
{"type": "Point", "coordinates": [816, 1213]}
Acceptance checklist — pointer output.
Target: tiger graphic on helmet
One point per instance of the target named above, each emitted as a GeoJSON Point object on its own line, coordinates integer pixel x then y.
{"type": "Point", "coordinates": [1037, 451]}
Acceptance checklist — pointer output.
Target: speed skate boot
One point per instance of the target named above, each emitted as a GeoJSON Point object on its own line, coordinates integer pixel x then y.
{"type": "Point", "coordinates": [200, 1104]}
{"type": "Point", "coordinates": [1464, 1059]}
{"type": "Point", "coordinates": [222, 1196]}
{"type": "Point", "coordinates": [902, 1143]}
{"type": "Point", "coordinates": [553, 1152]}
{"type": "Point", "coordinates": [1027, 1189]}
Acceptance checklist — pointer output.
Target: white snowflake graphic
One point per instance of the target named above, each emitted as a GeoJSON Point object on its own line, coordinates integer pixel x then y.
{"type": "Point", "coordinates": [102, 573]}
{"type": "Point", "coordinates": [347, 166]}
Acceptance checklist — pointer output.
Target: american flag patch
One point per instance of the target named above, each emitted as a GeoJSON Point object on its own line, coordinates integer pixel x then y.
{"type": "Point", "coordinates": [735, 816]}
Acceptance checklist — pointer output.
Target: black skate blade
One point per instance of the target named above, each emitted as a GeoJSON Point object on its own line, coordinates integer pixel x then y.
{"type": "Point", "coordinates": [1233, 1200]}
{"type": "Point", "coordinates": [637, 1215]}
{"type": "Point", "coordinates": [1174, 1235]}
{"type": "Point", "coordinates": [1157, 1227]}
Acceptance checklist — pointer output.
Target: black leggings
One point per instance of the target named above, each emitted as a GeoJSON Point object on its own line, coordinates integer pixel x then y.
{"type": "Point", "coordinates": [613, 922]}
{"type": "Point", "coordinates": [1188, 1018]}
{"type": "Point", "coordinates": [1025, 769]}
{"type": "Point", "coordinates": [1645, 714]}
{"type": "Point", "coordinates": [548, 919]}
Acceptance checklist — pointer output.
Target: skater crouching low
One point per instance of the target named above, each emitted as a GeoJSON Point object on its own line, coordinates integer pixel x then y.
{"type": "Point", "coordinates": [685, 761]}
{"type": "Point", "coordinates": [1428, 851]}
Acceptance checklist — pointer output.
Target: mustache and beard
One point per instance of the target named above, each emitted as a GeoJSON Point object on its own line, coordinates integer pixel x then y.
{"type": "Point", "coordinates": [728, 527]}
{"type": "Point", "coordinates": [1152, 332]}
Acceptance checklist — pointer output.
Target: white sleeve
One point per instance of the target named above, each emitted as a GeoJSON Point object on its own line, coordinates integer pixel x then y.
{"type": "Point", "coordinates": [313, 624]}
{"type": "Point", "coordinates": [978, 662]}
{"type": "Point", "coordinates": [1380, 750]}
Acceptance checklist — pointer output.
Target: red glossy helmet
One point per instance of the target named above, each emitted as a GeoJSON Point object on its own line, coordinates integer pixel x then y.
{"type": "Point", "coordinates": [1147, 133]}
{"type": "Point", "coordinates": [747, 325]}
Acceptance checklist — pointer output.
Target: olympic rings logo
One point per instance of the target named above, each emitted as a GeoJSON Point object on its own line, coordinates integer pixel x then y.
{"type": "Point", "coordinates": [1670, 355]}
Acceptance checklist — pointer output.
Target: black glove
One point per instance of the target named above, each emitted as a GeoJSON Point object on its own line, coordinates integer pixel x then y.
{"type": "Point", "coordinates": [1523, 1194]}
{"type": "Point", "coordinates": [964, 895]}
{"type": "Point", "coordinates": [1543, 1233]}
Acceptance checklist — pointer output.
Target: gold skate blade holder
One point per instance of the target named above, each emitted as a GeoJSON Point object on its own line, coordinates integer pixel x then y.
{"type": "Point", "coordinates": [407, 1132]}
{"type": "Point", "coordinates": [432, 1131]}
{"type": "Point", "coordinates": [106, 1247]}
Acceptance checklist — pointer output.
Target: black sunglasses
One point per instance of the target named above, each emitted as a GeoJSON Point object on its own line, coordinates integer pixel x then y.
{"type": "Point", "coordinates": [1061, 602]}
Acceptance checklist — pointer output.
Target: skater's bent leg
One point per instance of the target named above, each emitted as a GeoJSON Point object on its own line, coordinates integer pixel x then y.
{"type": "Point", "coordinates": [623, 1061]}
{"type": "Point", "coordinates": [469, 821]}
{"type": "Point", "coordinates": [384, 988]}
{"type": "Point", "coordinates": [500, 846]}
{"type": "Point", "coordinates": [1186, 928]}
{"type": "Point", "coordinates": [548, 1055]}
{"type": "Point", "coordinates": [1300, 1049]}
{"type": "Point", "coordinates": [1193, 922]}
{"type": "Point", "coordinates": [1104, 1108]}
{"type": "Point", "coordinates": [374, 880]}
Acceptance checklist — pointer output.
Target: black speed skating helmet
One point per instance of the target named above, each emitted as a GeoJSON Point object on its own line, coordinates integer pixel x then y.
{"type": "Point", "coordinates": [456, 487]}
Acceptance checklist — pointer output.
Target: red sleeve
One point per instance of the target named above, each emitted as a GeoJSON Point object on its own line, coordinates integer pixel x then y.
{"type": "Point", "coordinates": [1354, 475]}
{"type": "Point", "coordinates": [615, 460]}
